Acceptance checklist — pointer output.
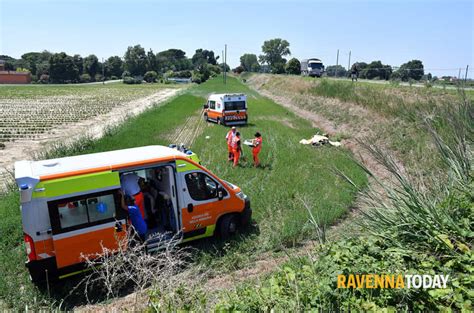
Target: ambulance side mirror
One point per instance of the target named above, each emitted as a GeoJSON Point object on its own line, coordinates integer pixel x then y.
{"type": "Point", "coordinates": [206, 106]}
{"type": "Point", "coordinates": [220, 193]}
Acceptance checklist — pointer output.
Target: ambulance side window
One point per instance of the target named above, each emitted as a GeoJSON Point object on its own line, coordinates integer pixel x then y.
{"type": "Point", "coordinates": [212, 105]}
{"type": "Point", "coordinates": [200, 186]}
{"type": "Point", "coordinates": [84, 211]}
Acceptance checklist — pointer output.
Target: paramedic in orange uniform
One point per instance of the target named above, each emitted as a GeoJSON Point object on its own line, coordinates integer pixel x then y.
{"type": "Point", "coordinates": [236, 149]}
{"type": "Point", "coordinates": [257, 146]}
{"type": "Point", "coordinates": [230, 135]}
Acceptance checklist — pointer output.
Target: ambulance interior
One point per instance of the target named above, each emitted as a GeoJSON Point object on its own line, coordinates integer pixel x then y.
{"type": "Point", "coordinates": [157, 185]}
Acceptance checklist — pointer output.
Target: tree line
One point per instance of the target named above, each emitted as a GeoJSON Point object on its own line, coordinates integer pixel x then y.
{"type": "Point", "coordinates": [273, 60]}
{"type": "Point", "coordinates": [135, 66]}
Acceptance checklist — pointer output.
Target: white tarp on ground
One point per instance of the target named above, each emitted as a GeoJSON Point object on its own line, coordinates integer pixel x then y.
{"type": "Point", "coordinates": [318, 139]}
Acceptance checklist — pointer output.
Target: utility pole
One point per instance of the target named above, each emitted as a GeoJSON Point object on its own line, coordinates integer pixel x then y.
{"type": "Point", "coordinates": [225, 66]}
{"type": "Point", "coordinates": [337, 63]}
{"type": "Point", "coordinates": [349, 63]}
{"type": "Point", "coordinates": [459, 74]}
{"type": "Point", "coordinates": [465, 75]}
{"type": "Point", "coordinates": [103, 70]}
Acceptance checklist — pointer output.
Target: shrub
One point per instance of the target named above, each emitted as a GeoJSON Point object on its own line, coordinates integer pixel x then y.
{"type": "Point", "coordinates": [114, 77]}
{"type": "Point", "coordinates": [239, 69]}
{"type": "Point", "coordinates": [44, 78]}
{"type": "Point", "coordinates": [126, 74]}
{"type": "Point", "coordinates": [197, 78]}
{"type": "Point", "coordinates": [150, 77]}
{"type": "Point", "coordinates": [85, 78]}
{"type": "Point", "coordinates": [98, 77]}
{"type": "Point", "coordinates": [293, 67]}
{"type": "Point", "coordinates": [131, 81]}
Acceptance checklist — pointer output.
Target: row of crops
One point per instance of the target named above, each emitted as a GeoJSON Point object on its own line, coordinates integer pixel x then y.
{"type": "Point", "coordinates": [31, 112]}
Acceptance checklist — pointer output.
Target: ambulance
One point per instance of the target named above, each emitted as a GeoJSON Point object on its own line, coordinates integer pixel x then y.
{"type": "Point", "coordinates": [226, 109]}
{"type": "Point", "coordinates": [71, 207]}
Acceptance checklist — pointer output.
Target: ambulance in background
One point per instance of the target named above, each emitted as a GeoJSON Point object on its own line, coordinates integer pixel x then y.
{"type": "Point", "coordinates": [312, 67]}
{"type": "Point", "coordinates": [71, 207]}
{"type": "Point", "coordinates": [226, 109]}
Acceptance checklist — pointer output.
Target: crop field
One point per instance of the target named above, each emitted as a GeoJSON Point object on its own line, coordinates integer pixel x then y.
{"type": "Point", "coordinates": [299, 191]}
{"type": "Point", "coordinates": [35, 116]}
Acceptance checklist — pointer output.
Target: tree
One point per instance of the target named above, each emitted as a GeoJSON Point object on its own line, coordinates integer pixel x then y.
{"type": "Point", "coordinates": [135, 60]}
{"type": "Point", "coordinates": [331, 71]}
{"type": "Point", "coordinates": [113, 66]}
{"type": "Point", "coordinates": [273, 52]}
{"type": "Point", "coordinates": [411, 70]}
{"type": "Point", "coordinates": [204, 57]}
{"type": "Point", "coordinates": [62, 68]}
{"type": "Point", "coordinates": [79, 61]}
{"type": "Point", "coordinates": [293, 67]}
{"type": "Point", "coordinates": [91, 65]}
{"type": "Point", "coordinates": [249, 62]}
{"type": "Point", "coordinates": [377, 70]}
{"type": "Point", "coordinates": [151, 62]}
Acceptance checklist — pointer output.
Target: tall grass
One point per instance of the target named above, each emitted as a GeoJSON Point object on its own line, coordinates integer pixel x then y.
{"type": "Point", "coordinates": [429, 213]}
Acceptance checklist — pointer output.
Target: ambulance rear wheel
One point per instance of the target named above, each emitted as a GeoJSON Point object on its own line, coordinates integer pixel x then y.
{"type": "Point", "coordinates": [206, 118]}
{"type": "Point", "coordinates": [228, 226]}
{"type": "Point", "coordinates": [220, 121]}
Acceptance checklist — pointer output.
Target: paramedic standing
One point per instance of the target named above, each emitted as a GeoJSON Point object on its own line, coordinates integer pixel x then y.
{"type": "Point", "coordinates": [130, 187]}
{"type": "Point", "coordinates": [257, 146]}
{"type": "Point", "coordinates": [236, 149]}
{"type": "Point", "coordinates": [229, 137]}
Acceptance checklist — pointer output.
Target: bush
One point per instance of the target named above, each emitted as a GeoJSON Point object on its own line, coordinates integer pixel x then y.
{"type": "Point", "coordinates": [98, 77]}
{"type": "Point", "coordinates": [114, 77]}
{"type": "Point", "coordinates": [126, 74]}
{"type": "Point", "coordinates": [150, 77]}
{"type": "Point", "coordinates": [85, 78]}
{"type": "Point", "coordinates": [44, 78]}
{"type": "Point", "coordinates": [197, 78]}
{"type": "Point", "coordinates": [293, 67]}
{"type": "Point", "coordinates": [239, 69]}
{"type": "Point", "coordinates": [131, 81]}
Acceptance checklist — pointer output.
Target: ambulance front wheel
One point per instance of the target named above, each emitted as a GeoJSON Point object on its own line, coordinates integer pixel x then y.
{"type": "Point", "coordinates": [206, 118]}
{"type": "Point", "coordinates": [227, 227]}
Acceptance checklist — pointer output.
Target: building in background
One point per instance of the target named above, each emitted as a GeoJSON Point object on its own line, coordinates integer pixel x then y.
{"type": "Point", "coordinates": [13, 77]}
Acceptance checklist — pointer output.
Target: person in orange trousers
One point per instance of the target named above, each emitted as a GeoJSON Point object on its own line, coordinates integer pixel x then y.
{"type": "Point", "coordinates": [257, 146]}
{"type": "Point", "coordinates": [236, 149]}
{"type": "Point", "coordinates": [229, 137]}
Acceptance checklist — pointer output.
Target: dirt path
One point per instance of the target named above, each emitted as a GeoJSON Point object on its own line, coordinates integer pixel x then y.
{"type": "Point", "coordinates": [188, 132]}
{"type": "Point", "coordinates": [95, 127]}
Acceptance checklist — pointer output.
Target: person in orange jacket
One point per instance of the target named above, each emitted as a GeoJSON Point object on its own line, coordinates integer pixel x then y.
{"type": "Point", "coordinates": [236, 149]}
{"type": "Point", "coordinates": [257, 146]}
{"type": "Point", "coordinates": [229, 137]}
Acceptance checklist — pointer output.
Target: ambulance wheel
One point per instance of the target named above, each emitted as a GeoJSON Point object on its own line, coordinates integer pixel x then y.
{"type": "Point", "coordinates": [206, 118]}
{"type": "Point", "coordinates": [220, 121]}
{"type": "Point", "coordinates": [228, 225]}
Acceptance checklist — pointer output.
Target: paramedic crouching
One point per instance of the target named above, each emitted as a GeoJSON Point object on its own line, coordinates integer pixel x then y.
{"type": "Point", "coordinates": [130, 187]}
{"type": "Point", "coordinates": [135, 216]}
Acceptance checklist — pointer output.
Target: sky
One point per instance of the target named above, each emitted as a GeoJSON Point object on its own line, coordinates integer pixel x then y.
{"type": "Point", "coordinates": [440, 33]}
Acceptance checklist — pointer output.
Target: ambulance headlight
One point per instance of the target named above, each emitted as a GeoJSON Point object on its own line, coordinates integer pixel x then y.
{"type": "Point", "coordinates": [241, 195]}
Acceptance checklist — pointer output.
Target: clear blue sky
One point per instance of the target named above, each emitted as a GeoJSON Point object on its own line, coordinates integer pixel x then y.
{"type": "Point", "coordinates": [440, 33]}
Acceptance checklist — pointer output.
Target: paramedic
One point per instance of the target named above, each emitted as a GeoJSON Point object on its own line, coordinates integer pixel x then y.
{"type": "Point", "coordinates": [131, 187]}
{"type": "Point", "coordinates": [257, 146]}
{"type": "Point", "coordinates": [138, 223]}
{"type": "Point", "coordinates": [229, 137]}
{"type": "Point", "coordinates": [236, 149]}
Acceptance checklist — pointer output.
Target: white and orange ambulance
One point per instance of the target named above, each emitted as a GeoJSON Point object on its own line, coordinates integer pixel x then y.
{"type": "Point", "coordinates": [226, 109]}
{"type": "Point", "coordinates": [71, 206]}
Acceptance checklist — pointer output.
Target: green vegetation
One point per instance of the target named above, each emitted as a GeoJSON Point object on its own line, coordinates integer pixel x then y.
{"type": "Point", "coordinates": [419, 226]}
{"type": "Point", "coordinates": [280, 212]}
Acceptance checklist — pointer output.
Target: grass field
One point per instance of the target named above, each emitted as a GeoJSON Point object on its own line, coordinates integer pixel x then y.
{"type": "Point", "coordinates": [279, 211]}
